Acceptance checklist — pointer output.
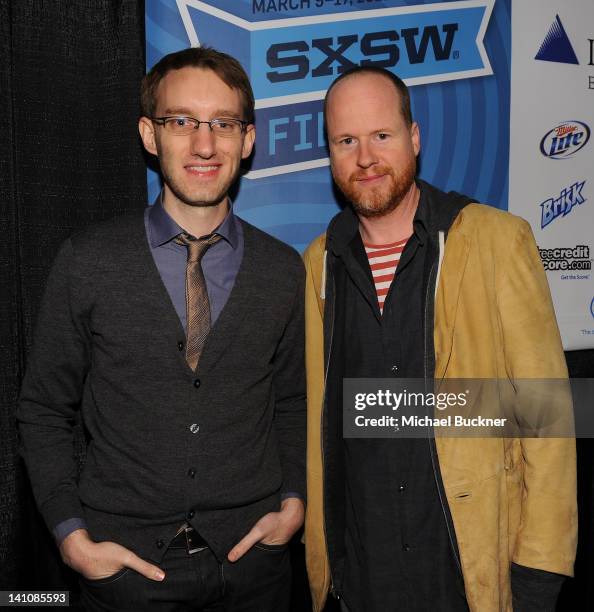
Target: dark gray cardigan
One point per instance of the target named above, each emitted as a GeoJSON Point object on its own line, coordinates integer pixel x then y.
{"type": "Point", "coordinates": [218, 445]}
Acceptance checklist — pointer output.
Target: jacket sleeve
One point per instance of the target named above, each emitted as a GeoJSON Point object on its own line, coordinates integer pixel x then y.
{"type": "Point", "coordinates": [547, 534]}
{"type": "Point", "coordinates": [51, 392]}
{"type": "Point", "coordinates": [316, 553]}
{"type": "Point", "coordinates": [289, 392]}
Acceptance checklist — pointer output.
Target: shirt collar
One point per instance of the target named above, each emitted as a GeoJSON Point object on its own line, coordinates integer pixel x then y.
{"type": "Point", "coordinates": [163, 229]}
{"type": "Point", "coordinates": [421, 221]}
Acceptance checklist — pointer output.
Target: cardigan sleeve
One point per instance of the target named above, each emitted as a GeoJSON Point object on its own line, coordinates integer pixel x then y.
{"type": "Point", "coordinates": [289, 392]}
{"type": "Point", "coordinates": [51, 392]}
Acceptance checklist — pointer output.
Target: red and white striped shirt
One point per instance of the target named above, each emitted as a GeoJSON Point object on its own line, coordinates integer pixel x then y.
{"type": "Point", "coordinates": [383, 261]}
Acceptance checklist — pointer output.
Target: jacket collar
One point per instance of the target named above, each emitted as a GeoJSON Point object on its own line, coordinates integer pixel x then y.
{"type": "Point", "coordinates": [436, 212]}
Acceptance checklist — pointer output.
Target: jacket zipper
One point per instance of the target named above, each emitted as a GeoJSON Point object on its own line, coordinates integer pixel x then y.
{"type": "Point", "coordinates": [332, 587]}
{"type": "Point", "coordinates": [431, 446]}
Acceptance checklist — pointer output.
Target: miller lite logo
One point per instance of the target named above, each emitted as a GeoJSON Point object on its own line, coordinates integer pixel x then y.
{"type": "Point", "coordinates": [565, 140]}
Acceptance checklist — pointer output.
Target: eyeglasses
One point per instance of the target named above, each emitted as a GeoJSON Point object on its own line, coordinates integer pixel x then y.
{"type": "Point", "coordinates": [225, 127]}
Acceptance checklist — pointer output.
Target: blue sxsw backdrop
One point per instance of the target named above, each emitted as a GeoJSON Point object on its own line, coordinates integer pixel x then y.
{"type": "Point", "coordinates": [292, 50]}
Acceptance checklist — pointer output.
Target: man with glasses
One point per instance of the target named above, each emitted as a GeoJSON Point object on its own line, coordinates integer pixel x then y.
{"type": "Point", "coordinates": [179, 334]}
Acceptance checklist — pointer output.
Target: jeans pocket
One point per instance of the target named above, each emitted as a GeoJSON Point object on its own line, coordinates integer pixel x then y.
{"type": "Point", "coordinates": [108, 579]}
{"type": "Point", "coordinates": [271, 547]}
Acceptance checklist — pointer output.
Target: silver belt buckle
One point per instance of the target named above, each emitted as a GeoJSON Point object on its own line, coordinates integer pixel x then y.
{"type": "Point", "coordinates": [191, 550]}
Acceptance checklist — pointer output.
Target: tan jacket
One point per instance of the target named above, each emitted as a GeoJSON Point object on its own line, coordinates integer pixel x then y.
{"type": "Point", "coordinates": [510, 499]}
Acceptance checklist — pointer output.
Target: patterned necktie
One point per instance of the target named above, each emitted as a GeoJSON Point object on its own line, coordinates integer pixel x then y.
{"type": "Point", "coordinates": [197, 304]}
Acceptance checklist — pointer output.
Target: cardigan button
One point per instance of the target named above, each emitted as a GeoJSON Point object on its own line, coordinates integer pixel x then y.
{"type": "Point", "coordinates": [197, 383]}
{"type": "Point", "coordinates": [160, 543]}
{"type": "Point", "coordinates": [180, 345]}
{"type": "Point", "coordinates": [191, 472]}
{"type": "Point", "coordinates": [190, 514]}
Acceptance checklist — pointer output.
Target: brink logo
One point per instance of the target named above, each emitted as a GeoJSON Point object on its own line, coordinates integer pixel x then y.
{"type": "Point", "coordinates": [563, 205]}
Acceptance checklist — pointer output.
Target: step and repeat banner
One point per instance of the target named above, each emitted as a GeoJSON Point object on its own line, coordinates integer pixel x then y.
{"type": "Point", "coordinates": [456, 56]}
{"type": "Point", "coordinates": [552, 153]}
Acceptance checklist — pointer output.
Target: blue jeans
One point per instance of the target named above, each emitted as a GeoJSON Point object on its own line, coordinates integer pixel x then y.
{"type": "Point", "coordinates": [258, 582]}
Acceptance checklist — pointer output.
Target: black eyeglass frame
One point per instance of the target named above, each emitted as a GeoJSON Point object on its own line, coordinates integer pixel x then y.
{"type": "Point", "coordinates": [162, 120]}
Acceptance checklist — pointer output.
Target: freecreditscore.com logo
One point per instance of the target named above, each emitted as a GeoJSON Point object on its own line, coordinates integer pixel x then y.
{"type": "Point", "coordinates": [566, 258]}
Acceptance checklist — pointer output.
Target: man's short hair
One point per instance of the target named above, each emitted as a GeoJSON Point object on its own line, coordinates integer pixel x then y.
{"type": "Point", "coordinates": [227, 68]}
{"type": "Point", "coordinates": [398, 83]}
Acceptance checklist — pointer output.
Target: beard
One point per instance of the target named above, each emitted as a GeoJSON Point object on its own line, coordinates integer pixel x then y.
{"type": "Point", "coordinates": [378, 201]}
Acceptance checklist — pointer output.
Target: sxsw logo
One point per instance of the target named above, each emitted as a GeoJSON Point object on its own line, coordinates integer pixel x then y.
{"type": "Point", "coordinates": [561, 206]}
{"type": "Point", "coordinates": [564, 140]}
{"type": "Point", "coordinates": [292, 61]}
{"type": "Point", "coordinates": [380, 49]}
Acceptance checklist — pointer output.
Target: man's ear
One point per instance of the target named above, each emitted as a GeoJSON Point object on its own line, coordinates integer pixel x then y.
{"type": "Point", "coordinates": [415, 136]}
{"type": "Point", "coordinates": [248, 141]}
{"type": "Point", "coordinates": [147, 133]}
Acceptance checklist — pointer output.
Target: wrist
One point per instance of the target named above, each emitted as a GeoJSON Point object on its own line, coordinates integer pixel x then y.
{"type": "Point", "coordinates": [293, 509]}
{"type": "Point", "coordinates": [74, 546]}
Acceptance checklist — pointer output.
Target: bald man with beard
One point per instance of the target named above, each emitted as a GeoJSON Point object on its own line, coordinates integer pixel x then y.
{"type": "Point", "coordinates": [411, 282]}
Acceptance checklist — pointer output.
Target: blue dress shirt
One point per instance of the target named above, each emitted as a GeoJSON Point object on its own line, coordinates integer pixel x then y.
{"type": "Point", "coordinates": [220, 263]}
